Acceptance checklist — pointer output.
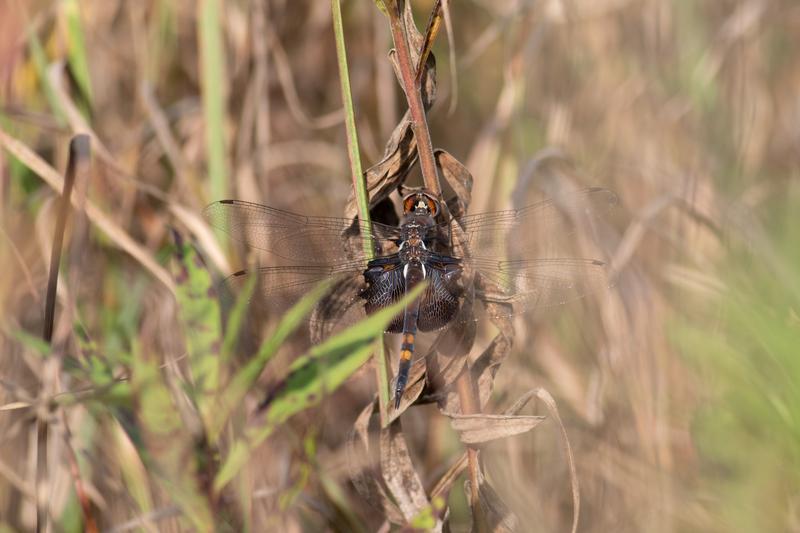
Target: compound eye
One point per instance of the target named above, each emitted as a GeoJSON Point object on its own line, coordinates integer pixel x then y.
{"type": "Point", "coordinates": [433, 206]}
{"type": "Point", "coordinates": [415, 201]}
{"type": "Point", "coordinates": [409, 203]}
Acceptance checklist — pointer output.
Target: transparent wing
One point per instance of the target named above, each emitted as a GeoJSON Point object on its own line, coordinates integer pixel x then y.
{"type": "Point", "coordinates": [278, 288]}
{"type": "Point", "coordinates": [520, 286]}
{"type": "Point", "coordinates": [318, 240]}
{"type": "Point", "coordinates": [543, 229]}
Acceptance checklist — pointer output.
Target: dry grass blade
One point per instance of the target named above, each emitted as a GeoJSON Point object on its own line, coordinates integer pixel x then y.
{"type": "Point", "coordinates": [458, 177]}
{"type": "Point", "coordinates": [552, 408]}
{"type": "Point", "coordinates": [451, 46]}
{"type": "Point", "coordinates": [100, 219]}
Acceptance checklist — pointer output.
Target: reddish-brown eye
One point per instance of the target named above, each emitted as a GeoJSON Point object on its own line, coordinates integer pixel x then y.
{"type": "Point", "coordinates": [433, 205]}
{"type": "Point", "coordinates": [408, 203]}
{"type": "Point", "coordinates": [420, 200]}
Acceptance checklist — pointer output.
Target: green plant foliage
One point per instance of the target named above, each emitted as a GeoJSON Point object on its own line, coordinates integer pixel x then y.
{"type": "Point", "coordinates": [317, 373]}
{"type": "Point", "coordinates": [166, 447]}
{"type": "Point", "coordinates": [213, 83]}
{"type": "Point", "coordinates": [76, 54]}
{"type": "Point", "coordinates": [748, 431]}
{"type": "Point", "coordinates": [201, 317]}
{"type": "Point", "coordinates": [244, 379]}
{"type": "Point", "coordinates": [40, 63]}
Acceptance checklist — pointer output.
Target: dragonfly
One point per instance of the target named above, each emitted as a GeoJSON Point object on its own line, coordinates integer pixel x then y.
{"type": "Point", "coordinates": [521, 258]}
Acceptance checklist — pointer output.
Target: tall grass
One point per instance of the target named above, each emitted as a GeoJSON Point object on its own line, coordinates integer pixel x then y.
{"type": "Point", "coordinates": [678, 390]}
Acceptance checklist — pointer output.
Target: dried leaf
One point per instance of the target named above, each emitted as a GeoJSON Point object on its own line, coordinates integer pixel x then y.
{"type": "Point", "coordinates": [449, 478]}
{"type": "Point", "coordinates": [550, 403]}
{"type": "Point", "coordinates": [400, 476]}
{"type": "Point", "coordinates": [497, 515]}
{"type": "Point", "coordinates": [480, 428]}
{"type": "Point", "coordinates": [434, 23]}
{"type": "Point", "coordinates": [400, 153]}
{"type": "Point", "coordinates": [459, 179]}
{"type": "Point", "coordinates": [363, 464]}
{"type": "Point", "coordinates": [388, 174]}
{"type": "Point", "coordinates": [414, 388]}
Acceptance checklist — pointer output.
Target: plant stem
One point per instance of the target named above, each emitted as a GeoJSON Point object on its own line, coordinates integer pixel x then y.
{"type": "Point", "coordinates": [467, 396]}
{"type": "Point", "coordinates": [412, 90]}
{"type": "Point", "coordinates": [466, 390]}
{"type": "Point", "coordinates": [213, 95]}
{"type": "Point", "coordinates": [359, 187]}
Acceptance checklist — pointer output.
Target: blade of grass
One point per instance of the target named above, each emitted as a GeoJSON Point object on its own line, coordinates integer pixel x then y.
{"type": "Point", "coordinates": [76, 49]}
{"type": "Point", "coordinates": [40, 64]}
{"type": "Point", "coordinates": [164, 444]}
{"type": "Point", "coordinates": [201, 317]}
{"type": "Point", "coordinates": [115, 234]}
{"type": "Point", "coordinates": [243, 381]}
{"type": "Point", "coordinates": [213, 89]}
{"type": "Point", "coordinates": [359, 185]}
{"type": "Point", "coordinates": [319, 372]}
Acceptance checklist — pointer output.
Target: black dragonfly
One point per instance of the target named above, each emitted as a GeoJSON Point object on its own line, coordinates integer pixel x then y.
{"type": "Point", "coordinates": [520, 257]}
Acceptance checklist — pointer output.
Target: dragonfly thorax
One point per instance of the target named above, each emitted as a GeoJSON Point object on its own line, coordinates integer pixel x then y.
{"type": "Point", "coordinates": [414, 234]}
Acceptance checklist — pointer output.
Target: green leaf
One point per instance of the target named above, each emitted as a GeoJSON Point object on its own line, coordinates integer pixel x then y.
{"type": "Point", "coordinates": [200, 312]}
{"type": "Point", "coordinates": [244, 379]}
{"type": "Point", "coordinates": [319, 372]}
{"type": "Point", "coordinates": [40, 64]}
{"type": "Point", "coordinates": [380, 4]}
{"type": "Point", "coordinates": [32, 342]}
{"type": "Point", "coordinates": [78, 62]}
{"type": "Point", "coordinates": [168, 449]}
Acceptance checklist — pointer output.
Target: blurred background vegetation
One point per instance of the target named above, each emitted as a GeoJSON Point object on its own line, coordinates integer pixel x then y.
{"type": "Point", "coordinates": [679, 389]}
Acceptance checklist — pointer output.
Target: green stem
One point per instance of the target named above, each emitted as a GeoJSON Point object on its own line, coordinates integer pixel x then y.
{"type": "Point", "coordinates": [359, 183]}
{"type": "Point", "coordinates": [211, 57]}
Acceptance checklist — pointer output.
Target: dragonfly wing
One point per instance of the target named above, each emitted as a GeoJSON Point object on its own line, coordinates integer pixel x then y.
{"type": "Point", "coordinates": [543, 229]}
{"type": "Point", "coordinates": [278, 288]}
{"type": "Point", "coordinates": [319, 240]}
{"type": "Point", "coordinates": [521, 286]}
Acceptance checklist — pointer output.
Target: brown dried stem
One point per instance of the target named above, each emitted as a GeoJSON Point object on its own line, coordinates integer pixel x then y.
{"type": "Point", "coordinates": [411, 87]}
{"type": "Point", "coordinates": [467, 396]}
{"type": "Point", "coordinates": [77, 166]}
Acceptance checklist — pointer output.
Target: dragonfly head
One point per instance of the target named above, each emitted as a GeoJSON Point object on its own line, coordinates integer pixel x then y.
{"type": "Point", "coordinates": [420, 203]}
